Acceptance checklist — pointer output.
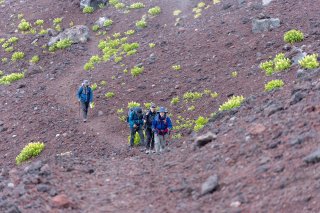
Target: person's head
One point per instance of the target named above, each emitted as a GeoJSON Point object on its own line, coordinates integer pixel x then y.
{"type": "Point", "coordinates": [85, 83]}
{"type": "Point", "coordinates": [162, 111]}
{"type": "Point", "coordinates": [153, 107]}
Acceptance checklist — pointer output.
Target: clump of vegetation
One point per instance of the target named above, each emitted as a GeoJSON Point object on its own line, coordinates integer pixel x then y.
{"type": "Point", "coordinates": [35, 59]}
{"type": "Point", "coordinates": [141, 24]}
{"type": "Point", "coordinates": [191, 108]}
{"type": "Point", "coordinates": [176, 67]}
{"type": "Point", "coordinates": [17, 56]}
{"type": "Point", "coordinates": [154, 11]}
{"type": "Point", "coordinates": [137, 5]}
{"type": "Point", "coordinates": [57, 21]}
{"type": "Point", "coordinates": [109, 95]}
{"type": "Point", "coordinates": [136, 71]}
{"type": "Point", "coordinates": [310, 61]}
{"type": "Point", "coordinates": [88, 9]}
{"type": "Point", "coordinates": [88, 66]}
{"type": "Point", "coordinates": [175, 100]}
{"type": "Point", "coordinates": [176, 136]}
{"type": "Point", "coordinates": [133, 104]}
{"type": "Point", "coordinates": [200, 123]}
{"type": "Point", "coordinates": [1, 73]}
{"type": "Point", "coordinates": [129, 32]}
{"type": "Point", "coordinates": [192, 96]}
{"type": "Point", "coordinates": [129, 47]}
{"type": "Point", "coordinates": [152, 45]}
{"type": "Point", "coordinates": [183, 123]}
{"type": "Point", "coordinates": [274, 84]}
{"type": "Point", "coordinates": [113, 2]}
{"type": "Point", "coordinates": [214, 95]}
{"type": "Point", "coordinates": [4, 60]}
{"type": "Point", "coordinates": [293, 36]}
{"type": "Point", "coordinates": [279, 63]}
{"type": "Point", "coordinates": [8, 79]}
{"type": "Point", "coordinates": [94, 86]}
{"type": "Point", "coordinates": [120, 6]}
{"type": "Point", "coordinates": [62, 44]}
{"type": "Point", "coordinates": [103, 83]}
{"type": "Point", "coordinates": [95, 28]}
{"type": "Point", "coordinates": [24, 25]}
{"type": "Point", "coordinates": [29, 151]}
{"type": "Point", "coordinates": [232, 103]}
{"type": "Point", "coordinates": [234, 74]}
{"type": "Point", "coordinates": [107, 23]}
{"type": "Point", "coordinates": [177, 12]}
{"type": "Point", "coordinates": [39, 22]}
{"type": "Point", "coordinates": [20, 16]}
{"type": "Point", "coordinates": [43, 32]}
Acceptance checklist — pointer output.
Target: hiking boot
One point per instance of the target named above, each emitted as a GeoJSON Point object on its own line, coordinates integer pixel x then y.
{"type": "Point", "coordinates": [153, 151]}
{"type": "Point", "coordinates": [84, 120]}
{"type": "Point", "coordinates": [147, 151]}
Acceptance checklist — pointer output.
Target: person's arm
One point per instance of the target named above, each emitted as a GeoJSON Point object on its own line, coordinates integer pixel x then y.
{"type": "Point", "coordinates": [169, 123]}
{"type": "Point", "coordinates": [79, 93]}
{"type": "Point", "coordinates": [131, 121]}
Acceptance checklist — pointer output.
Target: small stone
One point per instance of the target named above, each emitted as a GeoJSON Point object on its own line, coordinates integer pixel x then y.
{"type": "Point", "coordinates": [266, 2]}
{"type": "Point", "coordinates": [100, 113]}
{"type": "Point", "coordinates": [297, 97]}
{"type": "Point", "coordinates": [64, 134]}
{"type": "Point", "coordinates": [235, 204]}
{"type": "Point", "coordinates": [314, 157]}
{"type": "Point", "coordinates": [209, 185]}
{"type": "Point", "coordinates": [61, 201]}
{"type": "Point", "coordinates": [204, 139]}
{"type": "Point", "coordinates": [43, 188]}
{"type": "Point", "coordinates": [10, 185]}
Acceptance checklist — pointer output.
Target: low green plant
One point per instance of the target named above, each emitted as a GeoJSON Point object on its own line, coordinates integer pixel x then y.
{"type": "Point", "coordinates": [20, 16]}
{"type": "Point", "coordinates": [35, 59]}
{"type": "Point", "coordinates": [29, 151]}
{"type": "Point", "coordinates": [128, 47]}
{"type": "Point", "coordinates": [133, 104]}
{"type": "Point", "coordinates": [137, 5]}
{"type": "Point", "coordinates": [109, 95]}
{"type": "Point", "coordinates": [232, 103]}
{"type": "Point", "coordinates": [39, 22]}
{"type": "Point", "coordinates": [95, 59]}
{"type": "Point", "coordinates": [58, 27]}
{"type": "Point", "coordinates": [191, 108]}
{"type": "Point", "coordinates": [88, 9]}
{"type": "Point", "coordinates": [62, 44]}
{"type": "Point", "coordinates": [274, 84]}
{"type": "Point", "coordinates": [175, 100]}
{"type": "Point", "coordinates": [136, 71]}
{"type": "Point", "coordinates": [13, 40]}
{"type": "Point", "coordinates": [141, 24]}
{"type": "Point", "coordinates": [117, 59]}
{"type": "Point", "coordinates": [57, 21]}
{"type": "Point", "coordinates": [129, 32]}
{"type": "Point", "coordinates": [88, 66]}
{"type": "Point", "coordinates": [4, 60]}
{"type": "Point", "coordinates": [131, 52]}
{"type": "Point", "coordinates": [113, 2]}
{"type": "Point", "coordinates": [192, 96]}
{"type": "Point", "coordinates": [107, 23]}
{"type": "Point", "coordinates": [102, 5]}
{"type": "Point", "coordinates": [279, 63]}
{"type": "Point", "coordinates": [214, 95]}
{"type": "Point", "coordinates": [120, 6]}
{"type": "Point", "coordinates": [234, 74]}
{"type": "Point", "coordinates": [177, 12]}
{"type": "Point", "coordinates": [267, 66]}
{"type": "Point", "coordinates": [8, 79]}
{"type": "Point", "coordinates": [43, 32]}
{"type": "Point", "coordinates": [309, 61]}
{"type": "Point", "coordinates": [154, 11]}
{"type": "Point", "coordinates": [200, 123]}
{"type": "Point", "coordinates": [17, 56]}
{"type": "Point", "coordinates": [103, 83]}
{"type": "Point", "coordinates": [152, 45]}
{"type": "Point", "coordinates": [201, 4]}
{"type": "Point", "coordinates": [176, 67]}
{"type": "Point", "coordinates": [9, 49]}
{"type": "Point", "coordinates": [2, 40]}
{"type": "Point", "coordinates": [95, 28]}
{"type": "Point", "coordinates": [293, 36]}
{"type": "Point", "coordinates": [147, 105]}
{"type": "Point", "coordinates": [1, 73]}
{"type": "Point", "coordinates": [116, 35]}
{"type": "Point", "coordinates": [94, 86]}
{"type": "Point", "coordinates": [177, 136]}
{"type": "Point", "coordinates": [136, 140]}
{"type": "Point", "coordinates": [24, 25]}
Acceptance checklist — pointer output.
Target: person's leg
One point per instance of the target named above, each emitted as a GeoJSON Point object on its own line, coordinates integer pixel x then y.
{"type": "Point", "coordinates": [152, 140]}
{"type": "Point", "coordinates": [157, 143]}
{"type": "Point", "coordinates": [163, 142]}
{"type": "Point", "coordinates": [149, 137]}
{"type": "Point", "coordinates": [84, 110]}
{"type": "Point", "coordinates": [133, 134]}
{"type": "Point", "coordinates": [140, 132]}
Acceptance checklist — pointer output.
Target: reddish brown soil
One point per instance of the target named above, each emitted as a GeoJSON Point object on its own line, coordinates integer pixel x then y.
{"type": "Point", "coordinates": [260, 170]}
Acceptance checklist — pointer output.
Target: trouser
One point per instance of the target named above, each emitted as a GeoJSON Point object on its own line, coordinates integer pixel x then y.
{"type": "Point", "coordinates": [150, 138]}
{"type": "Point", "coordinates": [84, 107]}
{"type": "Point", "coordinates": [160, 142]}
{"type": "Point", "coordinates": [133, 134]}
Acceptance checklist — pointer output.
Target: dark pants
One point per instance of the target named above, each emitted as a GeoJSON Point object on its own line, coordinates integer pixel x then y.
{"type": "Point", "coordinates": [150, 138]}
{"type": "Point", "coordinates": [84, 107]}
{"type": "Point", "coordinates": [133, 134]}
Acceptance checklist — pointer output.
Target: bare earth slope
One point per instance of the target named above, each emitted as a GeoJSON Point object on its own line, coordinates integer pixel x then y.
{"type": "Point", "coordinates": [259, 151]}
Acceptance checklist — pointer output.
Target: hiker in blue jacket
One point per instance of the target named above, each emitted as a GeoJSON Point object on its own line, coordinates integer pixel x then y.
{"type": "Point", "coordinates": [85, 97]}
{"type": "Point", "coordinates": [161, 127]}
{"type": "Point", "coordinates": [136, 125]}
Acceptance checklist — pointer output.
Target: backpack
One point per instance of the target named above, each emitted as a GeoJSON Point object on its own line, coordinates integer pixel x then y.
{"type": "Point", "coordinates": [134, 109]}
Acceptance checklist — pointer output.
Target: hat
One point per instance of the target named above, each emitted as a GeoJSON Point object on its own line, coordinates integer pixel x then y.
{"type": "Point", "coordinates": [85, 82]}
{"type": "Point", "coordinates": [162, 109]}
{"type": "Point", "coordinates": [153, 105]}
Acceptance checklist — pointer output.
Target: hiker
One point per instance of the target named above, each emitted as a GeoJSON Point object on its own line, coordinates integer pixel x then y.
{"type": "Point", "coordinates": [85, 97]}
{"type": "Point", "coordinates": [136, 125]}
{"type": "Point", "coordinates": [161, 127]}
{"type": "Point", "coordinates": [148, 119]}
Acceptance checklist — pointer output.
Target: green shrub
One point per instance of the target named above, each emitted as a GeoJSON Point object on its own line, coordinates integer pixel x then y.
{"type": "Point", "coordinates": [109, 95]}
{"type": "Point", "coordinates": [136, 139]}
{"type": "Point", "coordinates": [43, 32]}
{"type": "Point", "coordinates": [177, 12]}
{"type": "Point", "coordinates": [310, 61]}
{"type": "Point", "coordinates": [102, 5]}
{"type": "Point", "coordinates": [120, 6]}
{"type": "Point", "coordinates": [191, 108]}
{"type": "Point", "coordinates": [8, 79]}
{"type": "Point", "coordinates": [103, 83]}
{"type": "Point", "coordinates": [267, 67]}
{"type": "Point", "coordinates": [94, 86]}
{"type": "Point", "coordinates": [214, 95]}
{"type": "Point", "coordinates": [4, 60]}
{"type": "Point", "coordinates": [201, 4]}
{"type": "Point", "coordinates": [176, 67]}
{"type": "Point", "coordinates": [293, 36]}
{"type": "Point", "coordinates": [17, 56]}
{"type": "Point", "coordinates": [128, 47]}
{"type": "Point", "coordinates": [35, 59]}
{"type": "Point", "coordinates": [29, 151]}
{"type": "Point", "coordinates": [232, 103]}
{"type": "Point", "coordinates": [192, 96]}
{"type": "Point", "coordinates": [88, 66]}
{"type": "Point", "coordinates": [131, 52]}
{"type": "Point", "coordinates": [154, 11]}
{"type": "Point", "coordinates": [95, 59]}
{"type": "Point", "coordinates": [2, 40]}
{"type": "Point", "coordinates": [13, 40]}
{"type": "Point", "coordinates": [1, 73]}
{"type": "Point", "coordinates": [9, 49]}
{"type": "Point", "coordinates": [200, 123]}
{"type": "Point", "coordinates": [136, 71]}
{"type": "Point", "coordinates": [62, 44]}
{"type": "Point", "coordinates": [113, 2]}
{"type": "Point", "coordinates": [152, 45]}
{"type": "Point", "coordinates": [20, 16]}
{"type": "Point", "coordinates": [234, 74]}
{"type": "Point", "coordinates": [176, 136]}
{"type": "Point", "coordinates": [175, 100]}
{"type": "Point", "coordinates": [95, 28]}
{"type": "Point", "coordinates": [282, 64]}
{"type": "Point", "coordinates": [107, 23]}
{"type": "Point", "coordinates": [279, 63]}
{"type": "Point", "coordinates": [274, 84]}
{"type": "Point", "coordinates": [141, 24]}
{"type": "Point", "coordinates": [147, 105]}
{"type": "Point", "coordinates": [116, 35]}
{"type": "Point", "coordinates": [133, 104]}
{"type": "Point", "coordinates": [88, 9]}
{"type": "Point", "coordinates": [39, 22]}
{"type": "Point", "coordinates": [57, 21]}
{"type": "Point", "coordinates": [129, 32]}
{"type": "Point", "coordinates": [24, 25]}
{"type": "Point", "coordinates": [117, 59]}
{"type": "Point", "coordinates": [137, 5]}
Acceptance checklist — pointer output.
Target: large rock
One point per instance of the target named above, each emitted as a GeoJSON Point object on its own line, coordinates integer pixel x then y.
{"type": "Point", "coordinates": [296, 54]}
{"type": "Point", "coordinates": [314, 157]}
{"type": "Point", "coordinates": [266, 2]}
{"type": "Point", "coordinates": [91, 3]}
{"type": "Point", "coordinates": [210, 185]}
{"type": "Point", "coordinates": [264, 25]}
{"type": "Point", "coordinates": [204, 139]}
{"type": "Point", "coordinates": [77, 34]}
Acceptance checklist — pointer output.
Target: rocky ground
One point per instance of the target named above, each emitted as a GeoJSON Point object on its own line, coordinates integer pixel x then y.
{"type": "Point", "coordinates": [261, 157]}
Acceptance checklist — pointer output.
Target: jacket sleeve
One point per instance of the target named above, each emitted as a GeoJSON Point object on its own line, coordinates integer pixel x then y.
{"type": "Point", "coordinates": [169, 123]}
{"type": "Point", "coordinates": [79, 93]}
{"type": "Point", "coordinates": [91, 95]}
{"type": "Point", "coordinates": [131, 121]}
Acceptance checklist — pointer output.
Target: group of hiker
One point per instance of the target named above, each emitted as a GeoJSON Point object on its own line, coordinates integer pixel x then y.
{"type": "Point", "coordinates": [155, 124]}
